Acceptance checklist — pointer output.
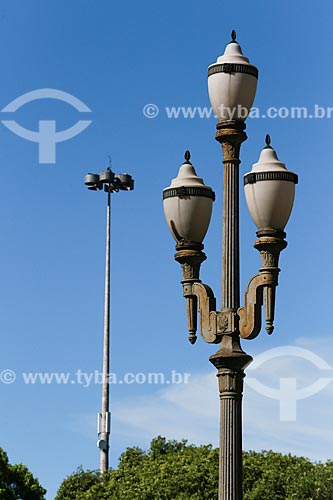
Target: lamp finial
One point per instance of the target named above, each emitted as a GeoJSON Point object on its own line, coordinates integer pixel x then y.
{"type": "Point", "coordinates": [268, 141]}
{"type": "Point", "coordinates": [233, 35]}
{"type": "Point", "coordinates": [187, 156]}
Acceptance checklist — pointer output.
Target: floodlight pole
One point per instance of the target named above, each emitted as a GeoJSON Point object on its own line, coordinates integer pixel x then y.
{"type": "Point", "coordinates": [112, 184]}
{"type": "Point", "coordinates": [105, 417]}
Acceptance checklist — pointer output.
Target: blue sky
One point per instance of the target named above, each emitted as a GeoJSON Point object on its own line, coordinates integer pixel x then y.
{"type": "Point", "coordinates": [117, 58]}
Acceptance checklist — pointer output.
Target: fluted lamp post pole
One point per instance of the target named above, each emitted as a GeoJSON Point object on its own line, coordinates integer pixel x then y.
{"type": "Point", "coordinates": [112, 184]}
{"type": "Point", "coordinates": [269, 191]}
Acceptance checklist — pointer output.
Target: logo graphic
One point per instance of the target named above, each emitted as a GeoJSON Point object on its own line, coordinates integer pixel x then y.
{"type": "Point", "coordinates": [47, 137]}
{"type": "Point", "coordinates": [287, 393]}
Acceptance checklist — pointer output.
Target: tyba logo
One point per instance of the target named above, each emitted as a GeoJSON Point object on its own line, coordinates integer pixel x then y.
{"type": "Point", "coordinates": [47, 136]}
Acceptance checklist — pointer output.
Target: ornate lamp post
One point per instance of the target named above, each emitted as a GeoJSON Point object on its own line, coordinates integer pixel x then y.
{"type": "Point", "coordinates": [112, 184]}
{"type": "Point", "coordinates": [269, 191]}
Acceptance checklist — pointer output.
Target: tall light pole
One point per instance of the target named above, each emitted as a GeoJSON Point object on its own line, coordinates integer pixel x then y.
{"type": "Point", "coordinates": [112, 184]}
{"type": "Point", "coordinates": [269, 192]}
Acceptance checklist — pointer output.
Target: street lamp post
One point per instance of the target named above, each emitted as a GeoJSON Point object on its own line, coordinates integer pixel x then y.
{"type": "Point", "coordinates": [269, 191]}
{"type": "Point", "coordinates": [112, 184]}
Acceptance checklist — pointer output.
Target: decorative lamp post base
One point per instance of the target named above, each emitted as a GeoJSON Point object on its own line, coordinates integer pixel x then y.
{"type": "Point", "coordinates": [230, 362]}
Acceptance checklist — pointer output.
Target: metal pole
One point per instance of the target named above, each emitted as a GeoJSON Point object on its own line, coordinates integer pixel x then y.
{"type": "Point", "coordinates": [230, 360]}
{"type": "Point", "coordinates": [105, 424]}
{"type": "Point", "coordinates": [111, 183]}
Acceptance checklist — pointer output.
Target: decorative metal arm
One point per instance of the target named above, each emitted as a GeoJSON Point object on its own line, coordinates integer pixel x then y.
{"type": "Point", "coordinates": [260, 291]}
{"type": "Point", "coordinates": [200, 297]}
{"type": "Point", "coordinates": [213, 324]}
{"type": "Point", "coordinates": [190, 256]}
{"type": "Point", "coordinates": [261, 287]}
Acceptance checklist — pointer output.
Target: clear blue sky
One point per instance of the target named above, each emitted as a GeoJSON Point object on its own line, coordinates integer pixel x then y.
{"type": "Point", "coordinates": [117, 57]}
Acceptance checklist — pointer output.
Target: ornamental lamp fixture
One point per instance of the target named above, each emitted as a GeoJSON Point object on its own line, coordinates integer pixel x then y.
{"type": "Point", "coordinates": [188, 205]}
{"type": "Point", "coordinates": [232, 84]}
{"type": "Point", "coordinates": [269, 192]}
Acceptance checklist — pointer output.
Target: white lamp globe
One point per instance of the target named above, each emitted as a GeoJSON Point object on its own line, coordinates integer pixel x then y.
{"type": "Point", "coordinates": [232, 84]}
{"type": "Point", "coordinates": [270, 190]}
{"type": "Point", "coordinates": [187, 205]}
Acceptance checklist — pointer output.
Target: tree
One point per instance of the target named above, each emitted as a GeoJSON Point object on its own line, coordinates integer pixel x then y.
{"type": "Point", "coordinates": [273, 476]}
{"type": "Point", "coordinates": [17, 483]}
{"type": "Point", "coordinates": [172, 470]}
{"type": "Point", "coordinates": [168, 470]}
{"type": "Point", "coordinates": [75, 485]}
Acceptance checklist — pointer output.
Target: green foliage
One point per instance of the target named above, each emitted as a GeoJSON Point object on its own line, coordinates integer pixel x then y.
{"type": "Point", "coordinates": [172, 470]}
{"type": "Point", "coordinates": [168, 470]}
{"type": "Point", "coordinates": [272, 476]}
{"type": "Point", "coordinates": [17, 483]}
{"type": "Point", "coordinates": [75, 485]}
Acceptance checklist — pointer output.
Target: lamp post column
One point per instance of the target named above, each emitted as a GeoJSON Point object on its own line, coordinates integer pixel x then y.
{"type": "Point", "coordinates": [230, 360]}
{"type": "Point", "coordinates": [230, 135]}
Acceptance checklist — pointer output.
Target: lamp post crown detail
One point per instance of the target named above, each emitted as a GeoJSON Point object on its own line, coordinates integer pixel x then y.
{"type": "Point", "coordinates": [268, 141]}
{"type": "Point", "coordinates": [233, 54]}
